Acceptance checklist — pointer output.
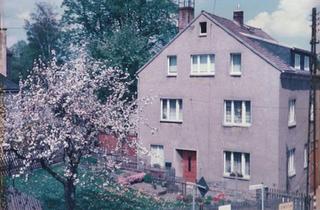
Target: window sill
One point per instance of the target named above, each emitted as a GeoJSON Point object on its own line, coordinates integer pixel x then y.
{"type": "Point", "coordinates": [292, 175]}
{"type": "Point", "coordinates": [202, 75]}
{"type": "Point", "coordinates": [203, 35]}
{"type": "Point", "coordinates": [236, 125]}
{"type": "Point", "coordinates": [235, 74]}
{"type": "Point", "coordinates": [171, 121]}
{"type": "Point", "coordinates": [246, 178]}
{"type": "Point", "coordinates": [292, 124]}
{"type": "Point", "coordinates": [172, 75]}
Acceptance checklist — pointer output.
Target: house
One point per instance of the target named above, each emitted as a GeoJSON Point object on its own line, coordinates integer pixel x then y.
{"type": "Point", "coordinates": [230, 105]}
{"type": "Point", "coordinates": [7, 85]}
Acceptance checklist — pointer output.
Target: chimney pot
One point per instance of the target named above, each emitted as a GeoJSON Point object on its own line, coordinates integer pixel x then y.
{"type": "Point", "coordinates": [238, 17]}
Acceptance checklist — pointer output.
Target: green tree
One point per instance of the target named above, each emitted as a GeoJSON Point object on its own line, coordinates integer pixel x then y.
{"type": "Point", "coordinates": [21, 61]}
{"type": "Point", "coordinates": [124, 33]}
{"type": "Point", "coordinates": [43, 32]}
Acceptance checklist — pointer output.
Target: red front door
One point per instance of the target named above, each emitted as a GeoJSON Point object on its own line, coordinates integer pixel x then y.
{"type": "Point", "coordinates": [189, 164]}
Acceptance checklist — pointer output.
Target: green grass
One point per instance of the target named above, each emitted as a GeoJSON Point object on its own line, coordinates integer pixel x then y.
{"type": "Point", "coordinates": [49, 191]}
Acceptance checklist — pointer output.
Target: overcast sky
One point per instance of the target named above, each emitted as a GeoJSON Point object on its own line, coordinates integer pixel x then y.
{"type": "Point", "coordinates": [288, 21]}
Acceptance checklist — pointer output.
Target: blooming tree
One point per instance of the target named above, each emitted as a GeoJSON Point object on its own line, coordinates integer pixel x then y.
{"type": "Point", "coordinates": [58, 113]}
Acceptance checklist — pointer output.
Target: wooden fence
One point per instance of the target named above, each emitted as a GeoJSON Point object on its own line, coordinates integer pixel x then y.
{"type": "Point", "coordinates": [17, 200]}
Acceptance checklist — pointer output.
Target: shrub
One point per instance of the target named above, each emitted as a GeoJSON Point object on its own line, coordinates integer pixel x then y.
{"type": "Point", "coordinates": [148, 178]}
{"type": "Point", "coordinates": [208, 199]}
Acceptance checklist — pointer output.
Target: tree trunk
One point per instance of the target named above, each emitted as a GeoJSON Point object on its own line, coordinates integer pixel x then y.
{"type": "Point", "coordinates": [69, 194]}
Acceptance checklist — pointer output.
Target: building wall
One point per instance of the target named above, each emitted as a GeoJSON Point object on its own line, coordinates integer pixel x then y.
{"type": "Point", "coordinates": [293, 137]}
{"type": "Point", "coordinates": [202, 129]}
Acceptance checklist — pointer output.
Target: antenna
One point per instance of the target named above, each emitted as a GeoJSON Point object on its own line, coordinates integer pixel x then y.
{"type": "Point", "coordinates": [214, 6]}
{"type": "Point", "coordinates": [238, 6]}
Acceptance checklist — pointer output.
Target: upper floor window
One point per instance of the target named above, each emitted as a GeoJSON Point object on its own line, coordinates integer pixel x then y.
{"type": "Point", "coordinates": [237, 164]}
{"type": "Point", "coordinates": [306, 63]}
{"type": "Point", "coordinates": [297, 61]}
{"type": "Point", "coordinates": [172, 65]}
{"type": "Point", "coordinates": [203, 28]}
{"type": "Point", "coordinates": [202, 64]}
{"type": "Point", "coordinates": [291, 164]}
{"type": "Point", "coordinates": [235, 61]}
{"type": "Point", "coordinates": [171, 110]}
{"type": "Point", "coordinates": [237, 113]}
{"type": "Point", "coordinates": [292, 113]}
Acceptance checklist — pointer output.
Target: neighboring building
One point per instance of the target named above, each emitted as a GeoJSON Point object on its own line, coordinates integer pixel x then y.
{"type": "Point", "coordinates": [231, 105]}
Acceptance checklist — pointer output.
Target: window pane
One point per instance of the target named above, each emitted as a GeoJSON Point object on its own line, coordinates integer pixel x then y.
{"type": "Point", "coordinates": [237, 111]}
{"type": "Point", "coordinates": [247, 164]}
{"type": "Point", "coordinates": [236, 63]}
{"type": "Point", "coordinates": [292, 117]}
{"type": "Point", "coordinates": [157, 155]}
{"type": "Point", "coordinates": [172, 109]}
{"type": "Point", "coordinates": [297, 61]}
{"type": "Point", "coordinates": [180, 109]}
{"type": "Point", "coordinates": [194, 63]}
{"type": "Point", "coordinates": [306, 63]}
{"type": "Point", "coordinates": [211, 63]}
{"type": "Point", "coordinates": [228, 111]}
{"type": "Point", "coordinates": [237, 162]}
{"type": "Point", "coordinates": [164, 109]}
{"type": "Point", "coordinates": [248, 112]}
{"type": "Point", "coordinates": [203, 63]}
{"type": "Point", "coordinates": [172, 64]}
{"type": "Point", "coordinates": [228, 162]}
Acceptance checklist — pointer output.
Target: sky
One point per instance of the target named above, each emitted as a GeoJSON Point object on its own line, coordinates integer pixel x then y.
{"type": "Point", "coordinates": [288, 21]}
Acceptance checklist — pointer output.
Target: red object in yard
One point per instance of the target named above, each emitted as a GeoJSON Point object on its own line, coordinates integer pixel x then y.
{"type": "Point", "coordinates": [109, 142]}
{"type": "Point", "coordinates": [133, 178]}
{"type": "Point", "coordinates": [218, 197]}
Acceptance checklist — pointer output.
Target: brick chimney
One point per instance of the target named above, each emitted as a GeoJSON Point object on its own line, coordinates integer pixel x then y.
{"type": "Point", "coordinates": [186, 13]}
{"type": "Point", "coordinates": [238, 17]}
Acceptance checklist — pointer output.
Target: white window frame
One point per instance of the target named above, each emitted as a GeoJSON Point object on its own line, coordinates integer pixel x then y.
{"type": "Point", "coordinates": [306, 61]}
{"type": "Point", "coordinates": [305, 155]}
{"type": "Point", "coordinates": [297, 57]}
{"type": "Point", "coordinates": [170, 72]}
{"type": "Point", "coordinates": [292, 113]}
{"type": "Point", "coordinates": [291, 163]}
{"type": "Point", "coordinates": [312, 112]}
{"type": "Point", "coordinates": [243, 165]}
{"type": "Point", "coordinates": [232, 72]}
{"type": "Point", "coordinates": [177, 112]}
{"type": "Point", "coordinates": [210, 67]}
{"type": "Point", "coordinates": [243, 114]}
{"type": "Point", "coordinates": [156, 149]}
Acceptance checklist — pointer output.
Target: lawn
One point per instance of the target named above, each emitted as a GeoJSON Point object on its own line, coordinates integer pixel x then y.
{"type": "Point", "coordinates": [49, 191]}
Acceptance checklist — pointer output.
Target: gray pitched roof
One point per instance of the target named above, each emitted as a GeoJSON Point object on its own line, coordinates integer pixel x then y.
{"type": "Point", "coordinates": [255, 39]}
{"type": "Point", "coordinates": [260, 42]}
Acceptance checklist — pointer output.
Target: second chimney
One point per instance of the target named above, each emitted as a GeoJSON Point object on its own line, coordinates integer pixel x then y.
{"type": "Point", "coordinates": [238, 17]}
{"type": "Point", "coordinates": [186, 13]}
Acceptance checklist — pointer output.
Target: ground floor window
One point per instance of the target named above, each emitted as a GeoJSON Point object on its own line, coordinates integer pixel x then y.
{"type": "Point", "coordinates": [237, 164]}
{"type": "Point", "coordinates": [157, 156]}
{"type": "Point", "coordinates": [291, 164]}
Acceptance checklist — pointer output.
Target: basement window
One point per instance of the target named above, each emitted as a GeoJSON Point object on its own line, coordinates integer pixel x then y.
{"type": "Point", "coordinates": [203, 28]}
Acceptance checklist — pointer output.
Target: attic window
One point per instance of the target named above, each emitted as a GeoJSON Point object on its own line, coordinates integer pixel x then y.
{"type": "Point", "coordinates": [203, 28]}
{"type": "Point", "coordinates": [297, 61]}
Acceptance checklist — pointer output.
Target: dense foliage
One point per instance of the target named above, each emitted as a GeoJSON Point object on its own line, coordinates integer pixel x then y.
{"type": "Point", "coordinates": [132, 31]}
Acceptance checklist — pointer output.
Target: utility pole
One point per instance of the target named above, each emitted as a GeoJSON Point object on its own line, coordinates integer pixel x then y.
{"type": "Point", "coordinates": [313, 132]}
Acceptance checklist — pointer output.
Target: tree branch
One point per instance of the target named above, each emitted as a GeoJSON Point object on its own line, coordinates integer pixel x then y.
{"type": "Point", "coordinates": [57, 176]}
